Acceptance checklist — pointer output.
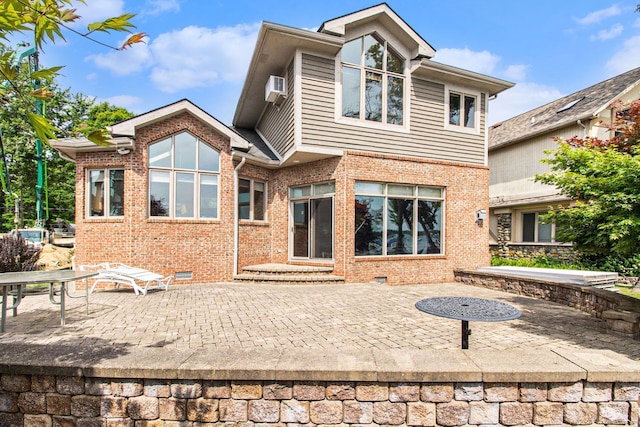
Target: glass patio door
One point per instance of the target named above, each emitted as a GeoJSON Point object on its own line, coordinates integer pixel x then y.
{"type": "Point", "coordinates": [312, 222]}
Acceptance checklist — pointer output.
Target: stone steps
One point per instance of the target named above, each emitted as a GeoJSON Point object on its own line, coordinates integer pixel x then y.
{"type": "Point", "coordinates": [288, 274]}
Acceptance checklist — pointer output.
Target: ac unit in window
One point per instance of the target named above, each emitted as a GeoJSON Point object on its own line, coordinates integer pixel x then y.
{"type": "Point", "coordinates": [276, 87]}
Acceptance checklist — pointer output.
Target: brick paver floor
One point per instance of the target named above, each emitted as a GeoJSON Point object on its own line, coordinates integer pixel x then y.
{"type": "Point", "coordinates": [324, 317]}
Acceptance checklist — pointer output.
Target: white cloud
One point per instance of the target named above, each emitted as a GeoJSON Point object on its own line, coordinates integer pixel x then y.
{"type": "Point", "coordinates": [97, 10]}
{"type": "Point", "coordinates": [599, 15]}
{"type": "Point", "coordinates": [156, 7]}
{"type": "Point", "coordinates": [517, 72]}
{"type": "Point", "coordinates": [124, 62]}
{"type": "Point", "coordinates": [520, 99]}
{"type": "Point", "coordinates": [626, 58]}
{"type": "Point", "coordinates": [198, 56]}
{"type": "Point", "coordinates": [609, 34]}
{"type": "Point", "coordinates": [125, 101]}
{"type": "Point", "coordinates": [480, 62]}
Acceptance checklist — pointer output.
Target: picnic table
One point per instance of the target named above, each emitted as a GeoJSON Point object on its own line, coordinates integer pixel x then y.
{"type": "Point", "coordinates": [14, 287]}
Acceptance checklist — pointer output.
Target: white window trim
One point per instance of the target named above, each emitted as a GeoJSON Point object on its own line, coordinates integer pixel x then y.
{"type": "Point", "coordinates": [406, 114]}
{"type": "Point", "coordinates": [477, 113]}
{"type": "Point", "coordinates": [385, 194]}
{"type": "Point", "coordinates": [520, 228]}
{"type": "Point", "coordinates": [252, 183]}
{"type": "Point", "coordinates": [172, 181]}
{"type": "Point", "coordinates": [105, 200]}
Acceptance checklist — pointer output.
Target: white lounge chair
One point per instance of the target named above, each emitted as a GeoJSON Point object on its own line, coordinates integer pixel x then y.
{"type": "Point", "coordinates": [139, 279]}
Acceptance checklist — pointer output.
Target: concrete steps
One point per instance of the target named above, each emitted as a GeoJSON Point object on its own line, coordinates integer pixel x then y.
{"type": "Point", "coordinates": [287, 274]}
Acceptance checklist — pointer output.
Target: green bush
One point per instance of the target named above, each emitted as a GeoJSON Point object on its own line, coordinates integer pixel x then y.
{"type": "Point", "coordinates": [539, 262]}
{"type": "Point", "coordinates": [627, 266]}
{"type": "Point", "coordinates": [17, 255]}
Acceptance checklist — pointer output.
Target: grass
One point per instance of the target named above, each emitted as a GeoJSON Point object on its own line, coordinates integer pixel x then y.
{"type": "Point", "coordinates": [628, 292]}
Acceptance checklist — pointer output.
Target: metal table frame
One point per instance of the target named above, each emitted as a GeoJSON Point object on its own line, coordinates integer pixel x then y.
{"type": "Point", "coordinates": [14, 285]}
{"type": "Point", "coordinates": [468, 309]}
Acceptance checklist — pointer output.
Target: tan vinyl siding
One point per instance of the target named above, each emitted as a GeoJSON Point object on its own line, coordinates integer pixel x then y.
{"type": "Point", "coordinates": [427, 137]}
{"type": "Point", "coordinates": [277, 123]}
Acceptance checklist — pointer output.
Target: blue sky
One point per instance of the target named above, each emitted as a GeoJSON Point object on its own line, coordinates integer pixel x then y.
{"type": "Point", "coordinates": [200, 49]}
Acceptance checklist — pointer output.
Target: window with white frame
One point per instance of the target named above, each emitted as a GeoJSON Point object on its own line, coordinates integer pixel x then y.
{"type": "Point", "coordinates": [105, 193]}
{"type": "Point", "coordinates": [251, 199]}
{"type": "Point", "coordinates": [373, 81]}
{"type": "Point", "coordinates": [184, 172]}
{"type": "Point", "coordinates": [534, 230]}
{"type": "Point", "coordinates": [396, 219]}
{"type": "Point", "coordinates": [462, 111]}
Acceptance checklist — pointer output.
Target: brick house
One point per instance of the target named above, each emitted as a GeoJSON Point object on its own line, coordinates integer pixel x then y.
{"type": "Point", "coordinates": [350, 150]}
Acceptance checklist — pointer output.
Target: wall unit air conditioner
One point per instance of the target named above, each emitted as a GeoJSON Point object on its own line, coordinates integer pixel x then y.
{"type": "Point", "coordinates": [275, 88]}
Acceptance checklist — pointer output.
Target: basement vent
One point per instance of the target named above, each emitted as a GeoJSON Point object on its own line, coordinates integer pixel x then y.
{"type": "Point", "coordinates": [381, 279]}
{"type": "Point", "coordinates": [184, 275]}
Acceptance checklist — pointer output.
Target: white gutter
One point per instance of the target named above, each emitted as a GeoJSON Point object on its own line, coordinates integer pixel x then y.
{"type": "Point", "coordinates": [236, 222]}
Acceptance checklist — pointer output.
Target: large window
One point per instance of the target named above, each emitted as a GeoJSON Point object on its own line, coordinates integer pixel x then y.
{"type": "Point", "coordinates": [462, 111]}
{"type": "Point", "coordinates": [183, 178]}
{"type": "Point", "coordinates": [372, 81]}
{"type": "Point", "coordinates": [534, 230]}
{"type": "Point", "coordinates": [393, 219]}
{"type": "Point", "coordinates": [105, 193]}
{"type": "Point", "coordinates": [251, 199]}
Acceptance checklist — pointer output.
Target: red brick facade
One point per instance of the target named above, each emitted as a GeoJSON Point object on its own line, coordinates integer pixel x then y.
{"type": "Point", "coordinates": [206, 247]}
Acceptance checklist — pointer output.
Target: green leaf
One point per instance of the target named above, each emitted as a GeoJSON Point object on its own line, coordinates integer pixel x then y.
{"type": "Point", "coordinates": [46, 73]}
{"type": "Point", "coordinates": [118, 23]}
{"type": "Point", "coordinates": [99, 137]}
{"type": "Point", "coordinates": [43, 128]}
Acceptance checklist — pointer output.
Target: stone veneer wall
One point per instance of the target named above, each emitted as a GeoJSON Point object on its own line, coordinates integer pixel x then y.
{"type": "Point", "coordinates": [621, 313]}
{"type": "Point", "coordinates": [66, 401]}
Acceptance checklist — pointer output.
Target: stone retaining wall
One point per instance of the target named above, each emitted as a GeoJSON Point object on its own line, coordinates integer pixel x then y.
{"type": "Point", "coordinates": [66, 401]}
{"type": "Point", "coordinates": [621, 313]}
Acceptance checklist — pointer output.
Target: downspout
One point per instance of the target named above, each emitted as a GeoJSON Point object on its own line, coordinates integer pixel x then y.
{"type": "Point", "coordinates": [236, 222]}
{"type": "Point", "coordinates": [584, 128]}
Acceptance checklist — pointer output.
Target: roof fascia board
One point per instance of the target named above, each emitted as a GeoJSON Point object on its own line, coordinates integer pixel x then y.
{"type": "Point", "coordinates": [128, 127]}
{"type": "Point", "coordinates": [431, 67]}
{"type": "Point", "coordinates": [338, 26]}
{"type": "Point", "coordinates": [541, 131]}
{"type": "Point", "coordinates": [265, 29]}
{"type": "Point", "coordinates": [620, 95]}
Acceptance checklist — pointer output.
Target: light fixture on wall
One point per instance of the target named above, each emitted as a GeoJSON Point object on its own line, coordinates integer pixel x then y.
{"type": "Point", "coordinates": [123, 151]}
{"type": "Point", "coordinates": [481, 215]}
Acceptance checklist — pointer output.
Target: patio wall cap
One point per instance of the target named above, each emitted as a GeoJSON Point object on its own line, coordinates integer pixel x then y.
{"type": "Point", "coordinates": [367, 365]}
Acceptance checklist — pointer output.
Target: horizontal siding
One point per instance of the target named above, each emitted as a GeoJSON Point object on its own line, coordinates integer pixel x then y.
{"type": "Point", "coordinates": [277, 124]}
{"type": "Point", "coordinates": [427, 137]}
{"type": "Point", "coordinates": [523, 160]}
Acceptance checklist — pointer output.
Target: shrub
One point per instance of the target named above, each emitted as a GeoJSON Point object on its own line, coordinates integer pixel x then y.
{"type": "Point", "coordinates": [538, 262]}
{"type": "Point", "coordinates": [17, 255]}
{"type": "Point", "coordinates": [627, 266]}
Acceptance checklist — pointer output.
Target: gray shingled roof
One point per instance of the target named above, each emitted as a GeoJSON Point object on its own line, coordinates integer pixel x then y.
{"type": "Point", "coordinates": [259, 148]}
{"type": "Point", "coordinates": [548, 116]}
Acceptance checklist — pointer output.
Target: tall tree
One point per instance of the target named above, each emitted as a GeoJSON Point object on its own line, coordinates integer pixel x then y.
{"type": "Point", "coordinates": [601, 176]}
{"type": "Point", "coordinates": [48, 20]}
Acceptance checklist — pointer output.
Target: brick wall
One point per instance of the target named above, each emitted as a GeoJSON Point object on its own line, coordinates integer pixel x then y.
{"type": "Point", "coordinates": [45, 400]}
{"type": "Point", "coordinates": [205, 247]}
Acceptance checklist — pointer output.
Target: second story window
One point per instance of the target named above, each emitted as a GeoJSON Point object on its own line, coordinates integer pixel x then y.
{"type": "Point", "coordinates": [372, 81]}
{"type": "Point", "coordinates": [462, 111]}
{"type": "Point", "coordinates": [105, 193]}
{"type": "Point", "coordinates": [183, 178]}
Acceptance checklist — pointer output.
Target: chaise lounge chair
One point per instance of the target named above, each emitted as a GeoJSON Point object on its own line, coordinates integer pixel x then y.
{"type": "Point", "coordinates": [139, 279]}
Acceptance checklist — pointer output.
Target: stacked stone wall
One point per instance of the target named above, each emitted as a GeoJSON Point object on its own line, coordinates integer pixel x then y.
{"type": "Point", "coordinates": [41, 400]}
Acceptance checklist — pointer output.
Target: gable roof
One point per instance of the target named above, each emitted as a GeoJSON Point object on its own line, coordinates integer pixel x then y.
{"type": "Point", "coordinates": [582, 105]}
{"type": "Point", "coordinates": [123, 133]}
{"type": "Point", "coordinates": [387, 17]}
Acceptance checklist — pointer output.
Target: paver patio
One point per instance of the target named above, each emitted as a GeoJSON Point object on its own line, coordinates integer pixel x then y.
{"type": "Point", "coordinates": [329, 318]}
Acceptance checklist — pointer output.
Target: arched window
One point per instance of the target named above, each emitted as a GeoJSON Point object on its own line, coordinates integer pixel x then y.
{"type": "Point", "coordinates": [372, 81]}
{"type": "Point", "coordinates": [183, 178]}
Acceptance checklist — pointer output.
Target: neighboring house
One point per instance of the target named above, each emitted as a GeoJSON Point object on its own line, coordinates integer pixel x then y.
{"type": "Point", "coordinates": [350, 149]}
{"type": "Point", "coordinates": [516, 147]}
